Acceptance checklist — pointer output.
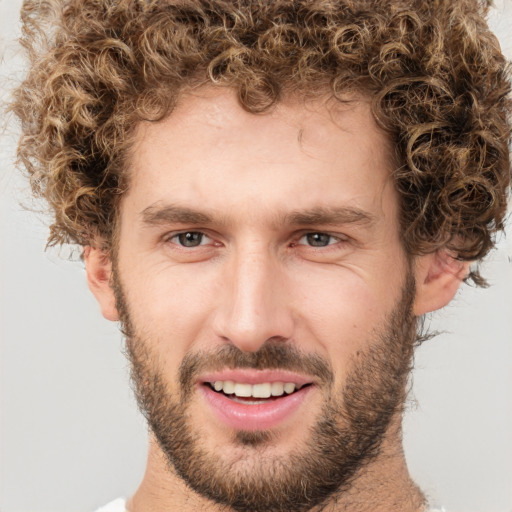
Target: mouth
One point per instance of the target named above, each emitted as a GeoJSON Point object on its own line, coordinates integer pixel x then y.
{"type": "Point", "coordinates": [254, 394]}
{"type": "Point", "coordinates": [255, 399]}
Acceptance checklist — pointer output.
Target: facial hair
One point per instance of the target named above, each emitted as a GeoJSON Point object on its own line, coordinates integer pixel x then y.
{"type": "Point", "coordinates": [345, 439]}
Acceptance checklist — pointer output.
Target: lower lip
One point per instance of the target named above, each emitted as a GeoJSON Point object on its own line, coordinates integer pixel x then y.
{"type": "Point", "coordinates": [261, 416]}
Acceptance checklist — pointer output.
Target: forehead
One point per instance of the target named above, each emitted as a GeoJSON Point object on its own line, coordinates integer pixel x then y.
{"type": "Point", "coordinates": [307, 152]}
{"type": "Point", "coordinates": [214, 113]}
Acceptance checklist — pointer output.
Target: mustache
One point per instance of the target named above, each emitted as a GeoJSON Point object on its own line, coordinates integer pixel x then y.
{"type": "Point", "coordinates": [273, 355]}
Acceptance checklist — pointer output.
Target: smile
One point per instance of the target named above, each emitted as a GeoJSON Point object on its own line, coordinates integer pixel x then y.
{"type": "Point", "coordinates": [262, 390]}
{"type": "Point", "coordinates": [246, 399]}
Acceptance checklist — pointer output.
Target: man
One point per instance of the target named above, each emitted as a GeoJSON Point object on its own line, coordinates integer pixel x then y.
{"type": "Point", "coordinates": [269, 196]}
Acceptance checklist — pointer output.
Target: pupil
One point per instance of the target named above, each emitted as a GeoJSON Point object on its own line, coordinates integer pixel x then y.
{"type": "Point", "coordinates": [318, 239]}
{"type": "Point", "coordinates": [190, 239]}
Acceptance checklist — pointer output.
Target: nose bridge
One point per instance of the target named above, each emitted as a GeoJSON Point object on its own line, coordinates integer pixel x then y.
{"type": "Point", "coordinates": [251, 309]}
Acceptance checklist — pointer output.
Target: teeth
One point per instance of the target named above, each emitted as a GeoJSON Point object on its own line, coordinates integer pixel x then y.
{"type": "Point", "coordinates": [243, 390]}
{"type": "Point", "coordinates": [289, 387]}
{"type": "Point", "coordinates": [228, 387]}
{"type": "Point", "coordinates": [277, 388]}
{"type": "Point", "coordinates": [263, 390]}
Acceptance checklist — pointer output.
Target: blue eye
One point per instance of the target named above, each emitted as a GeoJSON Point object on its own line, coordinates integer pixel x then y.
{"type": "Point", "coordinates": [190, 239]}
{"type": "Point", "coordinates": [318, 239]}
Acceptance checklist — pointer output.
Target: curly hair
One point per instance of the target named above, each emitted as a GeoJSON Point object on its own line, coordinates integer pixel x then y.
{"type": "Point", "coordinates": [436, 77]}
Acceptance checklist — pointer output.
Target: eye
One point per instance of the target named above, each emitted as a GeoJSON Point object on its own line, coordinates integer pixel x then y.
{"type": "Point", "coordinates": [190, 239]}
{"type": "Point", "coordinates": [318, 239]}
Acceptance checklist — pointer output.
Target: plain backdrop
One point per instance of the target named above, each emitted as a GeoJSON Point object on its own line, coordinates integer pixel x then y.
{"type": "Point", "coordinates": [71, 438]}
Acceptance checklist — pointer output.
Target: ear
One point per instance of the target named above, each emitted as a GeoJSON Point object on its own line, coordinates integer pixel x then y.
{"type": "Point", "coordinates": [98, 266]}
{"type": "Point", "coordinates": [438, 277]}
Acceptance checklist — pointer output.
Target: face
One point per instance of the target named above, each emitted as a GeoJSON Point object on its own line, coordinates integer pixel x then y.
{"type": "Point", "coordinates": [265, 295]}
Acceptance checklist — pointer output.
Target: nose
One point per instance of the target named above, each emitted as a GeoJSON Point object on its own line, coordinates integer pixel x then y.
{"type": "Point", "coordinates": [252, 307]}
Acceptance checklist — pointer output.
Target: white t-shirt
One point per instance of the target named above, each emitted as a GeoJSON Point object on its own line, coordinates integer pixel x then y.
{"type": "Point", "coordinates": [119, 505]}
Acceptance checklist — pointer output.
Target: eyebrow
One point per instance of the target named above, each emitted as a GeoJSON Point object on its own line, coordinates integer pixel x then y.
{"type": "Point", "coordinates": [158, 214]}
{"type": "Point", "coordinates": [171, 214]}
{"type": "Point", "coordinates": [331, 216]}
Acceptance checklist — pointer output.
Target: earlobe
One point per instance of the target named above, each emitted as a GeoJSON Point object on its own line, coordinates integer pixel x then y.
{"type": "Point", "coordinates": [98, 266]}
{"type": "Point", "coordinates": [438, 277]}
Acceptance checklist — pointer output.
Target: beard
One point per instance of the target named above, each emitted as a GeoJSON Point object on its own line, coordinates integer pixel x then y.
{"type": "Point", "coordinates": [346, 437]}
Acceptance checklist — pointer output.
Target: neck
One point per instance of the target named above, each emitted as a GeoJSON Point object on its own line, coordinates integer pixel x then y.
{"type": "Point", "coordinates": [384, 485]}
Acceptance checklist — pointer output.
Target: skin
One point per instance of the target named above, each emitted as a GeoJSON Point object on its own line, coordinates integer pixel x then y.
{"type": "Point", "coordinates": [256, 275]}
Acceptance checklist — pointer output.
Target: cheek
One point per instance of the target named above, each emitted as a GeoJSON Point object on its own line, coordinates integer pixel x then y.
{"type": "Point", "coordinates": [169, 308]}
{"type": "Point", "coordinates": [341, 316]}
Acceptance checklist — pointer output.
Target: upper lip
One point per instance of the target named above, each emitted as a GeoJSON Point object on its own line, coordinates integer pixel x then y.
{"type": "Point", "coordinates": [251, 376]}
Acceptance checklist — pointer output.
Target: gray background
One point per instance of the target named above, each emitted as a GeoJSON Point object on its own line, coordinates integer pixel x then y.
{"type": "Point", "coordinates": [71, 438]}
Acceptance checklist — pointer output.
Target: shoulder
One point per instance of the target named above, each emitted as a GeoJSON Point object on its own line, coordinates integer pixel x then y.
{"type": "Point", "coordinates": [118, 505]}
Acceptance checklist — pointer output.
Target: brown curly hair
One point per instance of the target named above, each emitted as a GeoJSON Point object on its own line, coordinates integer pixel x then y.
{"type": "Point", "coordinates": [438, 82]}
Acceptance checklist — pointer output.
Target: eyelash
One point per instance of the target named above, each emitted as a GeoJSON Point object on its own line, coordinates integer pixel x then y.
{"type": "Point", "coordinates": [336, 238]}
{"type": "Point", "coordinates": [169, 238]}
